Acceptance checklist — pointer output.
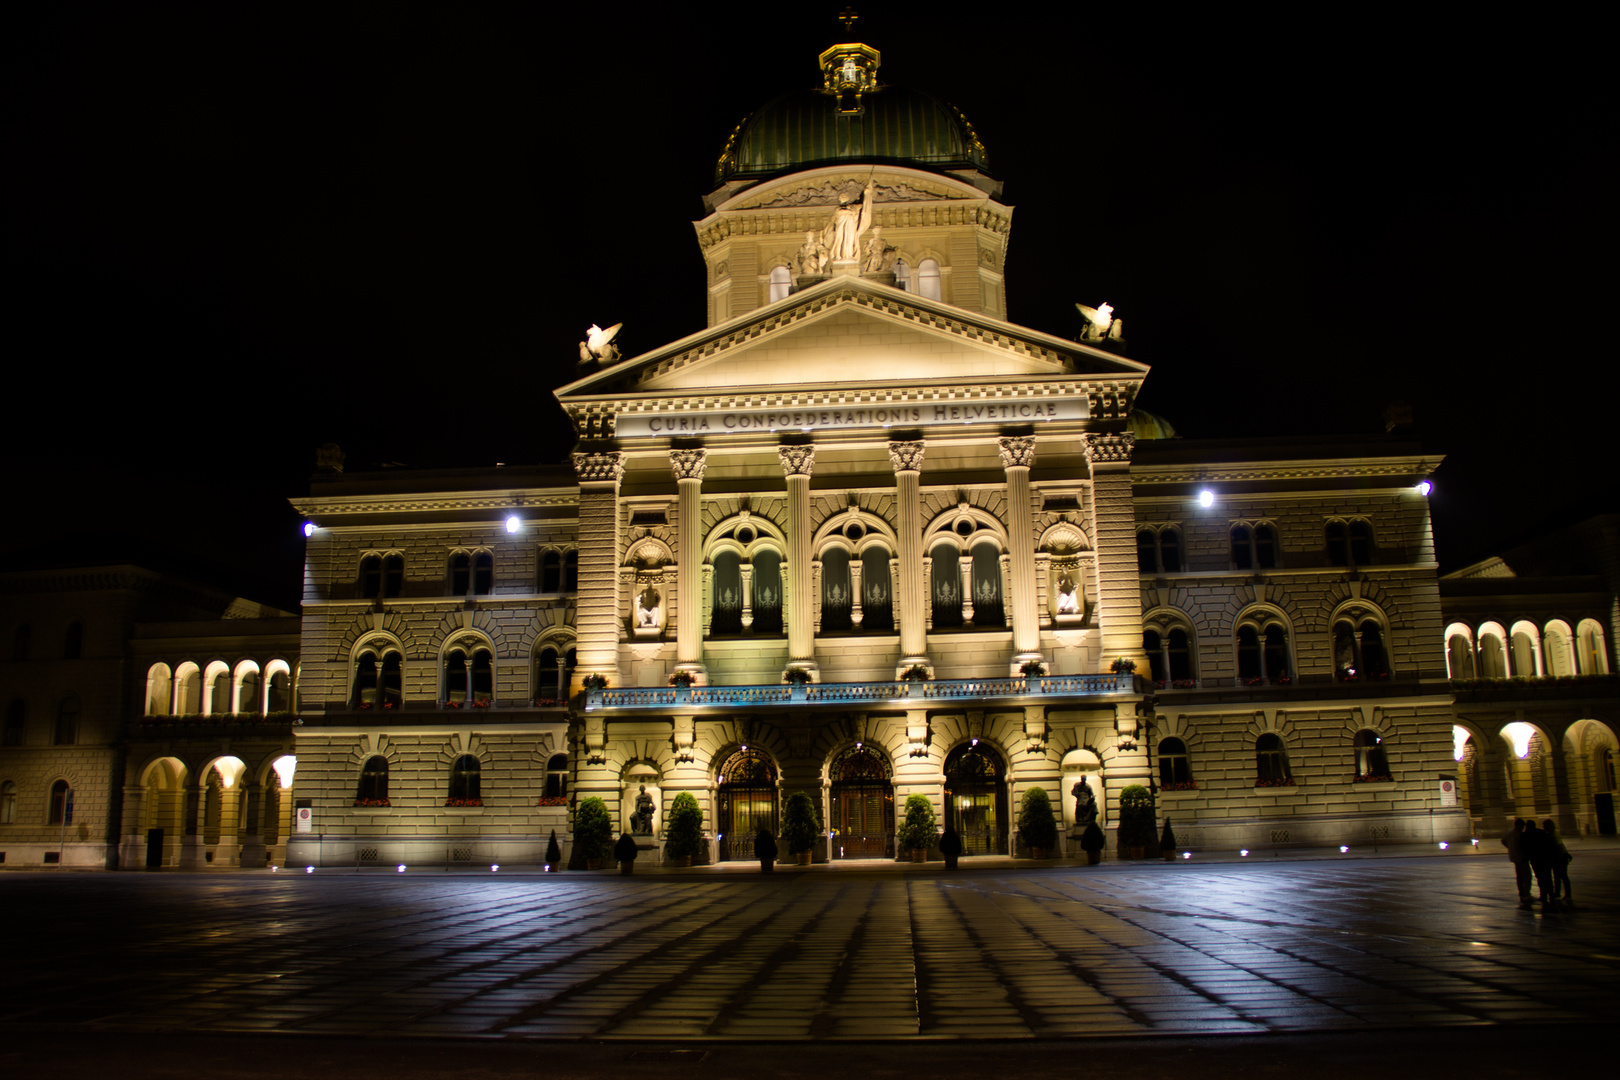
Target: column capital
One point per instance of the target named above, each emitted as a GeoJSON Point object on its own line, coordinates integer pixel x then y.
{"type": "Point", "coordinates": [797, 460]}
{"type": "Point", "coordinates": [688, 464]}
{"type": "Point", "coordinates": [906, 456]}
{"type": "Point", "coordinates": [1104, 449]}
{"type": "Point", "coordinates": [599, 467]}
{"type": "Point", "coordinates": [1018, 451]}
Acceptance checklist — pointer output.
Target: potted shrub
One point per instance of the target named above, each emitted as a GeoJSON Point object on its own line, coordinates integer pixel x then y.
{"type": "Point", "coordinates": [625, 851]}
{"type": "Point", "coordinates": [685, 829]}
{"type": "Point", "coordinates": [916, 832]}
{"type": "Point", "coordinates": [1135, 821]}
{"type": "Point", "coordinates": [800, 826]}
{"type": "Point", "coordinates": [1032, 669]}
{"type": "Point", "coordinates": [915, 673]}
{"type": "Point", "coordinates": [1036, 825]}
{"type": "Point", "coordinates": [593, 831]}
{"type": "Point", "coordinates": [765, 850]}
{"type": "Point", "coordinates": [1092, 843]}
{"type": "Point", "coordinates": [1167, 841]}
{"type": "Point", "coordinates": [593, 681]}
{"type": "Point", "coordinates": [553, 853]}
{"type": "Point", "coordinates": [797, 679]}
{"type": "Point", "coordinates": [950, 846]}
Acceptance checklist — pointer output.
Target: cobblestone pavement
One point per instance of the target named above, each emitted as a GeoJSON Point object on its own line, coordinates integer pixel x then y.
{"type": "Point", "coordinates": [1015, 952]}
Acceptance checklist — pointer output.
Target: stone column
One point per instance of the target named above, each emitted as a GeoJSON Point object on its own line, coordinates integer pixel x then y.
{"type": "Point", "coordinates": [190, 842]}
{"type": "Point", "coordinates": [688, 467]}
{"type": "Point", "coordinates": [248, 827]}
{"type": "Point", "coordinates": [596, 612]}
{"type": "Point", "coordinates": [797, 463]}
{"type": "Point", "coordinates": [133, 854]}
{"type": "Point", "coordinates": [1119, 581]}
{"type": "Point", "coordinates": [906, 457]}
{"type": "Point", "coordinates": [1018, 457]}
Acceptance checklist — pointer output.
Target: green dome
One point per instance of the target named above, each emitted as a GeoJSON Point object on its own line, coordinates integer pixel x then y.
{"type": "Point", "coordinates": [893, 125]}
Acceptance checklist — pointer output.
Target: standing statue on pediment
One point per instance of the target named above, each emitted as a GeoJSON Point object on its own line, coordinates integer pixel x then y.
{"type": "Point", "coordinates": [880, 254]}
{"type": "Point", "coordinates": [849, 223]}
{"type": "Point", "coordinates": [812, 256]}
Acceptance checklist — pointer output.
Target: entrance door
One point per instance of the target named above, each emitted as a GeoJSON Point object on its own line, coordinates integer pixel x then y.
{"type": "Point", "coordinates": [976, 799]}
{"type": "Point", "coordinates": [747, 799]}
{"type": "Point", "coordinates": [862, 806]}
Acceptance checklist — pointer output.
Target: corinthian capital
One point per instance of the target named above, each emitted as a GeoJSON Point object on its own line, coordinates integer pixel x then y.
{"type": "Point", "coordinates": [796, 460]}
{"type": "Point", "coordinates": [1109, 449]}
{"type": "Point", "coordinates": [597, 467]}
{"type": "Point", "coordinates": [688, 464]}
{"type": "Point", "coordinates": [906, 456]}
{"type": "Point", "coordinates": [1018, 451]}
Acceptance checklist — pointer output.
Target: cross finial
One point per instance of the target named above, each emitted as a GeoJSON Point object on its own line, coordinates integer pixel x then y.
{"type": "Point", "coordinates": [848, 17]}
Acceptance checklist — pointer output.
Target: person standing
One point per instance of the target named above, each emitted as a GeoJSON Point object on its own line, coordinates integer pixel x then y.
{"type": "Point", "coordinates": [1521, 868]}
{"type": "Point", "coordinates": [1560, 864]}
{"type": "Point", "coordinates": [1538, 851]}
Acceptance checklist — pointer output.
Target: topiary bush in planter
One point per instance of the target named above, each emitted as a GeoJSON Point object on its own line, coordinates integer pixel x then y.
{"type": "Point", "coordinates": [1092, 843]}
{"type": "Point", "coordinates": [1036, 826]}
{"type": "Point", "coordinates": [800, 825]}
{"type": "Point", "coordinates": [916, 832]}
{"type": "Point", "coordinates": [553, 852]}
{"type": "Point", "coordinates": [625, 852]}
{"type": "Point", "coordinates": [1135, 821]}
{"type": "Point", "coordinates": [593, 830]}
{"type": "Point", "coordinates": [685, 828]}
{"type": "Point", "coordinates": [1167, 841]}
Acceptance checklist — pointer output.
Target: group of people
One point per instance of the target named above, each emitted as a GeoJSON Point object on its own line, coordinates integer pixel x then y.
{"type": "Point", "coordinates": [1542, 852]}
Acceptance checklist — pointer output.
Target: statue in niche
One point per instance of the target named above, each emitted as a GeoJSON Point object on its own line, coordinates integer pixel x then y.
{"type": "Point", "coordinates": [641, 821]}
{"type": "Point", "coordinates": [812, 255]}
{"type": "Point", "coordinates": [880, 254]}
{"type": "Point", "coordinates": [1068, 597]}
{"type": "Point", "coordinates": [1085, 803]}
{"type": "Point", "coordinates": [842, 235]}
{"type": "Point", "coordinates": [648, 609]}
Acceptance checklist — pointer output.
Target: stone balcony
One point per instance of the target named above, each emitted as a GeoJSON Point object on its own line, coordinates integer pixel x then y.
{"type": "Point", "coordinates": [901, 694]}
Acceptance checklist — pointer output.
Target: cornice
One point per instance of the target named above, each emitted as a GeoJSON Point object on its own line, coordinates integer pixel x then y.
{"type": "Point", "coordinates": [785, 221]}
{"type": "Point", "coordinates": [431, 502]}
{"type": "Point", "coordinates": [1308, 469]}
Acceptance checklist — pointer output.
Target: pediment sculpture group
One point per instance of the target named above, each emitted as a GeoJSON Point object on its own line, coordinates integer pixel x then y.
{"type": "Point", "coordinates": [845, 239]}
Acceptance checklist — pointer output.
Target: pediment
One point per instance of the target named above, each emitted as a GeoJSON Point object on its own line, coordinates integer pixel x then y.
{"type": "Point", "coordinates": [850, 331]}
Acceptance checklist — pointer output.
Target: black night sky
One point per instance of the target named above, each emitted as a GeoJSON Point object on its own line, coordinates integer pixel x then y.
{"type": "Point", "coordinates": [237, 233]}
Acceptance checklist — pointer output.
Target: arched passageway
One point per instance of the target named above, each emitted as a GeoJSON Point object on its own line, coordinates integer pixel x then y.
{"type": "Point", "coordinates": [976, 798]}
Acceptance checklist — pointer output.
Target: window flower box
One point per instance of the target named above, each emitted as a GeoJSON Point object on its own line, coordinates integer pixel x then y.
{"type": "Point", "coordinates": [1184, 785]}
{"type": "Point", "coordinates": [1369, 779]}
{"type": "Point", "coordinates": [372, 803]}
{"type": "Point", "coordinates": [1287, 781]}
{"type": "Point", "coordinates": [553, 800]}
{"type": "Point", "coordinates": [464, 802]}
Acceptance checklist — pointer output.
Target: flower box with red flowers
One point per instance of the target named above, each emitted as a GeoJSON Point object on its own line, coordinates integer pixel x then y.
{"type": "Point", "coordinates": [553, 800]}
{"type": "Point", "coordinates": [547, 702]}
{"type": "Point", "coordinates": [372, 802]}
{"type": "Point", "coordinates": [464, 802]}
{"type": "Point", "coordinates": [1285, 782]}
{"type": "Point", "coordinates": [1184, 785]}
{"type": "Point", "coordinates": [452, 704]}
{"type": "Point", "coordinates": [1369, 779]}
{"type": "Point", "coordinates": [481, 703]}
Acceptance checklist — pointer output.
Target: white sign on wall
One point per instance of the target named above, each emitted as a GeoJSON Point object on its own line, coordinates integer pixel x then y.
{"type": "Point", "coordinates": [988, 412]}
{"type": "Point", "coordinates": [1448, 793]}
{"type": "Point", "coordinates": [304, 819]}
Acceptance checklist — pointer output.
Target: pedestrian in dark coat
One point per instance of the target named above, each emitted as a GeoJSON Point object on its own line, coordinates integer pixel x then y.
{"type": "Point", "coordinates": [1538, 851]}
{"type": "Point", "coordinates": [1560, 863]}
{"type": "Point", "coordinates": [1521, 868]}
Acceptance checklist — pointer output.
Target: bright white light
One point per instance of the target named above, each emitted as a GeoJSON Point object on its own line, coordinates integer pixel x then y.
{"type": "Point", "coordinates": [1206, 498]}
{"type": "Point", "coordinates": [1475, 841]}
{"type": "Point", "coordinates": [1424, 487]}
{"type": "Point", "coordinates": [309, 869]}
{"type": "Point", "coordinates": [513, 524]}
{"type": "Point", "coordinates": [1459, 739]}
{"type": "Point", "coordinates": [273, 869]}
{"type": "Point", "coordinates": [494, 867]}
{"type": "Point", "coordinates": [1444, 845]}
{"type": "Point", "coordinates": [1186, 854]}
{"type": "Point", "coordinates": [1243, 852]}
{"type": "Point", "coordinates": [975, 742]}
{"type": "Point", "coordinates": [1519, 734]}
{"type": "Point", "coordinates": [402, 868]}
{"type": "Point", "coordinates": [548, 868]}
{"type": "Point", "coordinates": [1344, 849]}
{"type": "Point", "coordinates": [309, 528]}
{"type": "Point", "coordinates": [285, 766]}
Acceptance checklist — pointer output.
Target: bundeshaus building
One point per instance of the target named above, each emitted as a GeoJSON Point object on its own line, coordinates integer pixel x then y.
{"type": "Point", "coordinates": [861, 537]}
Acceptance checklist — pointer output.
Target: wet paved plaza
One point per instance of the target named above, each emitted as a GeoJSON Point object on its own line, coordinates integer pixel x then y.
{"type": "Point", "coordinates": [883, 953]}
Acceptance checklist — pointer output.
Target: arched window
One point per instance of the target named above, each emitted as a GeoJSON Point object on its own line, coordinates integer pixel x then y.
{"type": "Point", "coordinates": [219, 690]}
{"type": "Point", "coordinates": [1349, 544]}
{"type": "Point", "coordinates": [20, 640]}
{"type": "Point", "coordinates": [551, 572]}
{"type": "Point", "coordinates": [1371, 761]}
{"type": "Point", "coordinates": [393, 576]}
{"type": "Point", "coordinates": [1525, 654]}
{"type": "Point", "coordinates": [8, 803]}
{"type": "Point", "coordinates": [726, 616]}
{"type": "Point", "coordinates": [472, 573]}
{"type": "Point", "coordinates": [1147, 551]}
{"type": "Point", "coordinates": [1254, 548]}
{"type": "Point", "coordinates": [1593, 657]}
{"type": "Point", "coordinates": [1358, 650]}
{"type": "Point", "coordinates": [483, 574]}
{"type": "Point", "coordinates": [248, 696]}
{"type": "Point", "coordinates": [1271, 761]}
{"type": "Point", "coordinates": [945, 586]}
{"type": "Point", "coordinates": [67, 722]}
{"type": "Point", "coordinates": [557, 777]}
{"type": "Point", "coordinates": [468, 676]}
{"type": "Point", "coordinates": [877, 601]}
{"type": "Point", "coordinates": [73, 641]}
{"type": "Point", "coordinates": [1175, 767]}
{"type": "Point", "coordinates": [377, 681]}
{"type": "Point", "coordinates": [1361, 543]}
{"type": "Point", "coordinates": [1242, 548]}
{"type": "Point", "coordinates": [16, 723]}
{"type": "Point", "coordinates": [159, 690]}
{"type": "Point", "coordinates": [1170, 550]}
{"type": "Point", "coordinates": [1265, 546]}
{"type": "Point", "coordinates": [767, 592]}
{"type": "Point", "coordinates": [188, 700]}
{"type": "Point", "coordinates": [1170, 655]}
{"type": "Point", "coordinates": [1158, 551]}
{"type": "Point", "coordinates": [1560, 656]}
{"type": "Point", "coordinates": [837, 591]}
{"type": "Point", "coordinates": [551, 670]}
{"type": "Point", "coordinates": [280, 689]}
{"type": "Point", "coordinates": [928, 284]}
{"type": "Point", "coordinates": [1263, 651]}
{"type": "Point", "coordinates": [570, 573]}
{"type": "Point", "coordinates": [371, 577]}
{"type": "Point", "coordinates": [1459, 657]}
{"type": "Point", "coordinates": [987, 606]}
{"type": "Point", "coordinates": [1492, 658]}
{"type": "Point", "coordinates": [465, 789]}
{"type": "Point", "coordinates": [61, 805]}
{"type": "Point", "coordinates": [373, 787]}
{"type": "Point", "coordinates": [781, 284]}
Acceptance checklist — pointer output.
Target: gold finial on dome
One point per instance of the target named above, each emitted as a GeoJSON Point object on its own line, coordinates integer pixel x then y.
{"type": "Point", "coordinates": [849, 71]}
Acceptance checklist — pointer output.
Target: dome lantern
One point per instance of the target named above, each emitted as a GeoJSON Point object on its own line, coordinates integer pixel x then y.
{"type": "Point", "coordinates": [848, 71]}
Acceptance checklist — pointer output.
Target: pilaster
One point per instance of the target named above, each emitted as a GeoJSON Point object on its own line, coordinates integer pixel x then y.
{"type": "Point", "coordinates": [797, 463]}
{"type": "Point", "coordinates": [688, 466]}
{"type": "Point", "coordinates": [1018, 457]}
{"type": "Point", "coordinates": [596, 613]}
{"type": "Point", "coordinates": [906, 457]}
{"type": "Point", "coordinates": [1119, 595]}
